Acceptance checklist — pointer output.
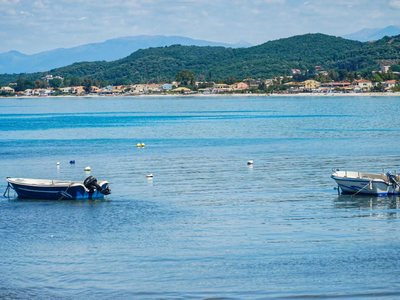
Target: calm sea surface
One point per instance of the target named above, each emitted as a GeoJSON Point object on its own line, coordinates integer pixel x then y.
{"type": "Point", "coordinates": [207, 226]}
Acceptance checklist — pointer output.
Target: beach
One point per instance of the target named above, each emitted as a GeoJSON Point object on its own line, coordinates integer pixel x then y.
{"type": "Point", "coordinates": [396, 94]}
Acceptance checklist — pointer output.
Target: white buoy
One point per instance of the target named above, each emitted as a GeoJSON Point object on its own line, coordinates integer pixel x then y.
{"type": "Point", "coordinates": [150, 176]}
{"type": "Point", "coordinates": [250, 162]}
{"type": "Point", "coordinates": [58, 163]}
{"type": "Point", "coordinates": [87, 169]}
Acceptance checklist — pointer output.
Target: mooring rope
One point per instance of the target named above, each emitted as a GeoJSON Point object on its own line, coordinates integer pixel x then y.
{"type": "Point", "coordinates": [63, 194]}
{"type": "Point", "coordinates": [352, 196]}
{"type": "Point", "coordinates": [9, 187]}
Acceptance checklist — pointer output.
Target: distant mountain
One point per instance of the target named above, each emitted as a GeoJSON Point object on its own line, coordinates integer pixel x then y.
{"type": "Point", "coordinates": [16, 62]}
{"type": "Point", "coordinates": [374, 34]}
{"type": "Point", "coordinates": [242, 44]}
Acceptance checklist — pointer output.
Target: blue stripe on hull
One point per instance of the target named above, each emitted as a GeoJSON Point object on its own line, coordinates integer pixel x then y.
{"type": "Point", "coordinates": [365, 194]}
{"type": "Point", "coordinates": [347, 190]}
{"type": "Point", "coordinates": [55, 193]}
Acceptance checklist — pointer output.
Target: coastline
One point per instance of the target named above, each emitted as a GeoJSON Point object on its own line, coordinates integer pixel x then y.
{"type": "Point", "coordinates": [302, 95]}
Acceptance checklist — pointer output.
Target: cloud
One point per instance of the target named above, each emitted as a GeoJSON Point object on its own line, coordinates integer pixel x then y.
{"type": "Point", "coordinates": [395, 4]}
{"type": "Point", "coordinates": [138, 12]}
{"type": "Point", "coordinates": [9, 2]}
{"type": "Point", "coordinates": [39, 4]}
{"type": "Point", "coordinates": [25, 13]}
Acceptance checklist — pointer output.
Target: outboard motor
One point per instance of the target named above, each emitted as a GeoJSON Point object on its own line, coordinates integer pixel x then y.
{"type": "Point", "coordinates": [91, 184]}
{"type": "Point", "coordinates": [392, 179]}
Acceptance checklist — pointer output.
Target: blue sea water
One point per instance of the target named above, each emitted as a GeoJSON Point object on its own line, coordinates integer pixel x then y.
{"type": "Point", "coordinates": [207, 226]}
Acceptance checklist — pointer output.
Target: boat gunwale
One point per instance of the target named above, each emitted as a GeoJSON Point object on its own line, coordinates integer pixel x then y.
{"type": "Point", "coordinates": [360, 179]}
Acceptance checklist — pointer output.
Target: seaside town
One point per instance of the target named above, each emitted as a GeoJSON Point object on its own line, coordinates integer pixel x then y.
{"type": "Point", "coordinates": [321, 82]}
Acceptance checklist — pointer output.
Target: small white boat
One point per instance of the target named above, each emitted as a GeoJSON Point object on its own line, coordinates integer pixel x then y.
{"type": "Point", "coordinates": [367, 183]}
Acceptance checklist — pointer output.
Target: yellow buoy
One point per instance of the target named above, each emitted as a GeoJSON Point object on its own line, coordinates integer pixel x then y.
{"type": "Point", "coordinates": [143, 145]}
{"type": "Point", "coordinates": [138, 145]}
{"type": "Point", "coordinates": [87, 169]}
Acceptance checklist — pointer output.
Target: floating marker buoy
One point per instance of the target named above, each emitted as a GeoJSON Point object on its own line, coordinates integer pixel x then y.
{"type": "Point", "coordinates": [250, 162]}
{"type": "Point", "coordinates": [72, 162]}
{"type": "Point", "coordinates": [58, 163]}
{"type": "Point", "coordinates": [138, 145]}
{"type": "Point", "coordinates": [150, 176]}
{"type": "Point", "coordinates": [87, 169]}
{"type": "Point", "coordinates": [143, 145]}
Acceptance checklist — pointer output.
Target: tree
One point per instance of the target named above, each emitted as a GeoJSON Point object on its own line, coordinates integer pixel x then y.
{"type": "Point", "coordinates": [75, 81]}
{"type": "Point", "coordinates": [378, 88]}
{"type": "Point", "coordinates": [186, 77]}
{"type": "Point", "coordinates": [285, 79]}
{"type": "Point", "coordinates": [395, 68]}
{"type": "Point", "coordinates": [55, 83]}
{"type": "Point", "coordinates": [40, 84]}
{"type": "Point", "coordinates": [342, 74]}
{"type": "Point", "coordinates": [201, 78]}
{"type": "Point", "coordinates": [248, 81]}
{"type": "Point", "coordinates": [390, 75]}
{"type": "Point", "coordinates": [230, 81]}
{"type": "Point", "coordinates": [324, 79]}
{"type": "Point", "coordinates": [209, 76]}
{"type": "Point", "coordinates": [351, 77]}
{"type": "Point", "coordinates": [262, 86]}
{"type": "Point", "coordinates": [376, 78]}
{"type": "Point", "coordinates": [87, 85]}
{"type": "Point", "coordinates": [20, 85]}
{"type": "Point", "coordinates": [333, 74]}
{"type": "Point", "coordinates": [23, 84]}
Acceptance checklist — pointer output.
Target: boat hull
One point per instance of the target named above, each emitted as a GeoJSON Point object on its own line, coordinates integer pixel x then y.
{"type": "Point", "coordinates": [363, 186]}
{"type": "Point", "coordinates": [74, 192]}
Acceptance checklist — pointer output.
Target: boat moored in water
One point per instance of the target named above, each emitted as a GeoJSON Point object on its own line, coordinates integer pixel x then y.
{"type": "Point", "coordinates": [59, 190]}
{"type": "Point", "coordinates": [367, 183]}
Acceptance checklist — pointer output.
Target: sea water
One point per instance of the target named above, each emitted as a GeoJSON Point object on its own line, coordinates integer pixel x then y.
{"type": "Point", "coordinates": [207, 225]}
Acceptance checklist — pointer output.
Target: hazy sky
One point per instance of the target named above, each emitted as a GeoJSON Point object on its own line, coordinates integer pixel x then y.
{"type": "Point", "coordinates": [34, 26]}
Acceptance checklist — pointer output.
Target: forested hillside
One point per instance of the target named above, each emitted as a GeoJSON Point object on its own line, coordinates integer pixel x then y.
{"type": "Point", "coordinates": [264, 61]}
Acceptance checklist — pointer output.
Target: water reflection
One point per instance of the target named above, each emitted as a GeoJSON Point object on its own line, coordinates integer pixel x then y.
{"type": "Point", "coordinates": [98, 201]}
{"type": "Point", "coordinates": [383, 206]}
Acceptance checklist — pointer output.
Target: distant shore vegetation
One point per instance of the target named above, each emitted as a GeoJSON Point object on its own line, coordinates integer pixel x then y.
{"type": "Point", "coordinates": [284, 65]}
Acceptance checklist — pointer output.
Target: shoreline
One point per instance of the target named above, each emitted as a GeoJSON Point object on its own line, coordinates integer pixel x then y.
{"type": "Point", "coordinates": [302, 95]}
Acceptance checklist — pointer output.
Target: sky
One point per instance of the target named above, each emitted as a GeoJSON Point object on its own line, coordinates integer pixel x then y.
{"type": "Point", "coordinates": [31, 26]}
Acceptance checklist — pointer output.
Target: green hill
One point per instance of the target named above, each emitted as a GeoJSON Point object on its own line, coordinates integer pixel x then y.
{"type": "Point", "coordinates": [267, 60]}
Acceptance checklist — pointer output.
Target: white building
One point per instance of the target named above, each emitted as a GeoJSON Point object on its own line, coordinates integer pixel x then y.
{"type": "Point", "coordinates": [389, 83]}
{"type": "Point", "coordinates": [29, 92]}
{"type": "Point", "coordinates": [7, 89]}
{"type": "Point", "coordinates": [363, 84]}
